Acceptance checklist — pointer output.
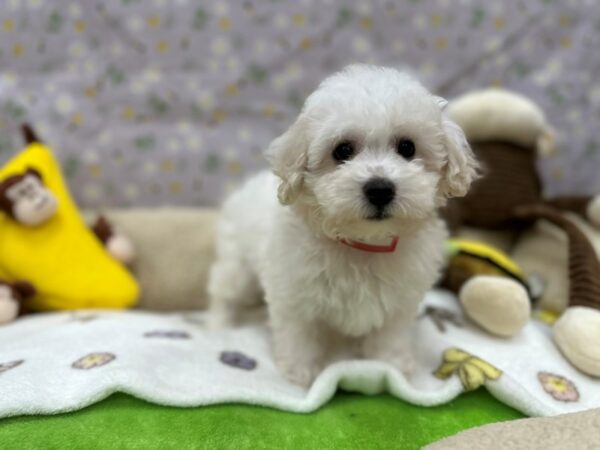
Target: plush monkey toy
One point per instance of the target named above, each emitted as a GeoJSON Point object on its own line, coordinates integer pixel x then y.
{"type": "Point", "coordinates": [507, 132]}
{"type": "Point", "coordinates": [11, 297]}
{"type": "Point", "coordinates": [26, 199]}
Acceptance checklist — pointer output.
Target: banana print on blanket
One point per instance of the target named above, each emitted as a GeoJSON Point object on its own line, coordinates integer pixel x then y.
{"type": "Point", "coordinates": [472, 371]}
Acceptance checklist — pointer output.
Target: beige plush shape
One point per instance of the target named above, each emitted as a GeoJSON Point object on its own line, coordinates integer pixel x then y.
{"type": "Point", "coordinates": [543, 250]}
{"type": "Point", "coordinates": [593, 211]}
{"type": "Point", "coordinates": [499, 305]}
{"type": "Point", "coordinates": [9, 308]}
{"type": "Point", "coordinates": [174, 251]}
{"type": "Point", "coordinates": [577, 335]}
{"type": "Point", "coordinates": [121, 248]}
{"type": "Point", "coordinates": [497, 114]}
{"type": "Point", "coordinates": [577, 431]}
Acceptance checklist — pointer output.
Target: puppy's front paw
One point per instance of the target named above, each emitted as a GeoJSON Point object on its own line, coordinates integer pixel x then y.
{"type": "Point", "coordinates": [302, 374]}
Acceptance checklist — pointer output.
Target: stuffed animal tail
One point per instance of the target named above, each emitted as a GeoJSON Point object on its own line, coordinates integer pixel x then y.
{"type": "Point", "coordinates": [584, 267]}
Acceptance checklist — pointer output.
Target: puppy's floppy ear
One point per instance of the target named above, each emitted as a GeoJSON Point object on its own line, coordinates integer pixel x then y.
{"type": "Point", "coordinates": [288, 155]}
{"type": "Point", "coordinates": [461, 167]}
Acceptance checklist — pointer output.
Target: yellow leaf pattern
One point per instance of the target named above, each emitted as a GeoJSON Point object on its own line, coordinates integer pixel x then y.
{"type": "Point", "coordinates": [472, 371]}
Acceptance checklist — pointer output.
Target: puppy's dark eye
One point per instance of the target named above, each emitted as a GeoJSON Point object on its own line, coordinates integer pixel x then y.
{"type": "Point", "coordinates": [343, 151]}
{"type": "Point", "coordinates": [406, 148]}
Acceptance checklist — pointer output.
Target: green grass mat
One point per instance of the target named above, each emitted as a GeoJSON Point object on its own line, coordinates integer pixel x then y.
{"type": "Point", "coordinates": [348, 421]}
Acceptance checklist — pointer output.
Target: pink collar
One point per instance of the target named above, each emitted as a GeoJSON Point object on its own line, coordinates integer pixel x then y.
{"type": "Point", "coordinates": [372, 248]}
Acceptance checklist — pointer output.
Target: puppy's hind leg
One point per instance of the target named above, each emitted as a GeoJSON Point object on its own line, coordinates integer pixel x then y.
{"type": "Point", "coordinates": [232, 288]}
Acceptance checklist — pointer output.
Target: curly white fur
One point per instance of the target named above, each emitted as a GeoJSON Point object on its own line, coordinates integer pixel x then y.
{"type": "Point", "coordinates": [324, 296]}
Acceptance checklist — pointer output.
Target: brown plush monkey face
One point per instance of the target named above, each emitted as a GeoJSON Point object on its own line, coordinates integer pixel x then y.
{"type": "Point", "coordinates": [26, 199]}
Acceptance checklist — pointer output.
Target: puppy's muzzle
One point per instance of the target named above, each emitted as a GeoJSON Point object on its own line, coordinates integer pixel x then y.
{"type": "Point", "coordinates": [379, 192]}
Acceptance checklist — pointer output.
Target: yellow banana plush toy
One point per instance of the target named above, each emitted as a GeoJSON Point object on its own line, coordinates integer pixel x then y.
{"type": "Point", "coordinates": [44, 240]}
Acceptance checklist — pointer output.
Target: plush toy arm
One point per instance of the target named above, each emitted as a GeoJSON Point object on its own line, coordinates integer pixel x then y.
{"type": "Point", "coordinates": [24, 289]}
{"type": "Point", "coordinates": [117, 244]}
{"type": "Point", "coordinates": [584, 266]}
{"type": "Point", "coordinates": [11, 298]}
{"type": "Point", "coordinates": [102, 229]}
{"type": "Point", "coordinates": [586, 206]}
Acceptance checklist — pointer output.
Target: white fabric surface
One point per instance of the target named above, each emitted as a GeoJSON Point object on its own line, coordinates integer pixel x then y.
{"type": "Point", "coordinates": [183, 368]}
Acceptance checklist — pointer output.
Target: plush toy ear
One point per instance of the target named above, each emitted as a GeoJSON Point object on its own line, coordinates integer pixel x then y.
{"type": "Point", "coordinates": [461, 167]}
{"type": "Point", "coordinates": [288, 156]}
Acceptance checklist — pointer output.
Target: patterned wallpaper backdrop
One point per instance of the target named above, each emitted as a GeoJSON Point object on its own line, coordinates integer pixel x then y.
{"type": "Point", "coordinates": [151, 102]}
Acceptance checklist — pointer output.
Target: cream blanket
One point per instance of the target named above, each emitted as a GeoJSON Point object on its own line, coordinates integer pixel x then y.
{"type": "Point", "coordinates": [51, 363]}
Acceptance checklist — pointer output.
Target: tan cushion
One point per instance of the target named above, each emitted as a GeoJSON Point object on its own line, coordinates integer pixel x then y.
{"type": "Point", "coordinates": [174, 251]}
{"type": "Point", "coordinates": [576, 431]}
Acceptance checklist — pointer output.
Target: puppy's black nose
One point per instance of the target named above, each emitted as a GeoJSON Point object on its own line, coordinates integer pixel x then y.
{"type": "Point", "coordinates": [379, 191]}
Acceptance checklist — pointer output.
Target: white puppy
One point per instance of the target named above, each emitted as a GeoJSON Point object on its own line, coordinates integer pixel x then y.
{"type": "Point", "coordinates": [345, 240]}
